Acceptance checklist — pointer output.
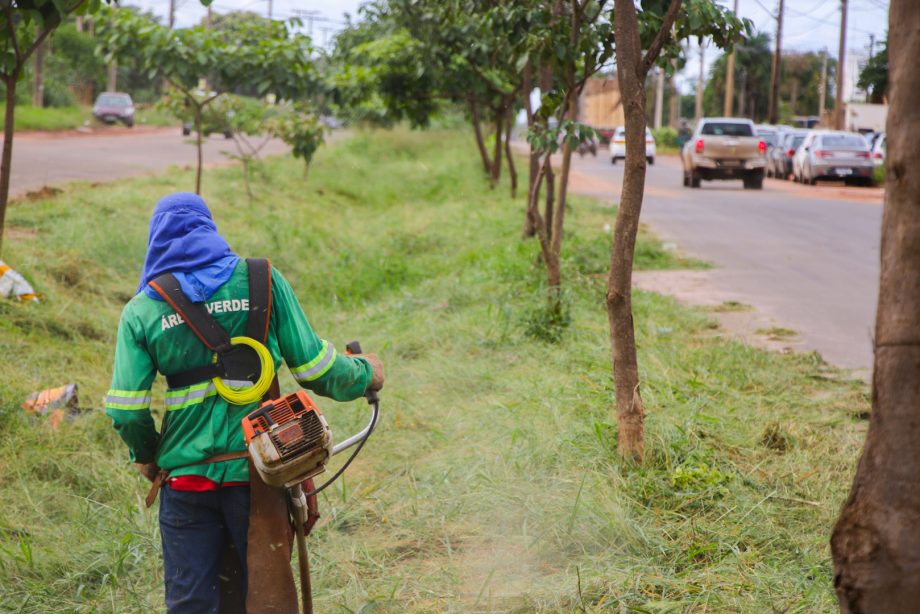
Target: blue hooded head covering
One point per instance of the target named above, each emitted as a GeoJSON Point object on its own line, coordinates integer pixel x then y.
{"type": "Point", "coordinates": [184, 241]}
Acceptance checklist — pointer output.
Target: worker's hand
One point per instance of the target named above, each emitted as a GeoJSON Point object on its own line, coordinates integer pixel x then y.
{"type": "Point", "coordinates": [148, 470]}
{"type": "Point", "coordinates": [377, 367]}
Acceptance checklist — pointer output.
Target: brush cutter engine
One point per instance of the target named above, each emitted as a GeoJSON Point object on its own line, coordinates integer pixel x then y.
{"type": "Point", "coordinates": [289, 439]}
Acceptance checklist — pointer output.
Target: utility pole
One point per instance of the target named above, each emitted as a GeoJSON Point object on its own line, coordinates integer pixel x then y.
{"type": "Point", "coordinates": [822, 89]}
{"type": "Point", "coordinates": [774, 73]}
{"type": "Point", "coordinates": [172, 14]}
{"type": "Point", "coordinates": [730, 79]}
{"type": "Point", "coordinates": [269, 9]}
{"type": "Point", "coordinates": [871, 46]}
{"type": "Point", "coordinates": [698, 112]}
{"type": "Point", "coordinates": [659, 98]}
{"type": "Point", "coordinates": [841, 61]}
{"type": "Point", "coordinates": [209, 18]}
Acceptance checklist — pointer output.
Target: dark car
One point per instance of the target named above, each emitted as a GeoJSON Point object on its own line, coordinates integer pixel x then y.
{"type": "Point", "coordinates": [779, 159]}
{"type": "Point", "coordinates": [111, 107]}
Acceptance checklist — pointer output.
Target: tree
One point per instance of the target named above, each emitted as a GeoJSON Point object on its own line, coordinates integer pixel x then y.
{"type": "Point", "coordinates": [27, 24]}
{"type": "Point", "coordinates": [573, 43]}
{"type": "Point", "coordinates": [876, 541]}
{"type": "Point", "coordinates": [407, 58]}
{"type": "Point", "coordinates": [265, 56]}
{"type": "Point", "coordinates": [799, 85]}
{"type": "Point", "coordinates": [874, 77]}
{"type": "Point", "coordinates": [303, 131]}
{"type": "Point", "coordinates": [662, 25]}
{"type": "Point", "coordinates": [753, 59]}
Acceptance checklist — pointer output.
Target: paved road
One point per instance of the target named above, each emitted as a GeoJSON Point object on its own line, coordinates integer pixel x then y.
{"type": "Point", "coordinates": [40, 160]}
{"type": "Point", "coordinates": [805, 256]}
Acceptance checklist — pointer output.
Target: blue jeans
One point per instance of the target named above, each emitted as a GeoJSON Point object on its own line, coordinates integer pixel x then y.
{"type": "Point", "coordinates": [198, 529]}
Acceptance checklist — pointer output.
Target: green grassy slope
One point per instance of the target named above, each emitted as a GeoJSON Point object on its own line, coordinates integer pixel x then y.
{"type": "Point", "coordinates": [492, 483]}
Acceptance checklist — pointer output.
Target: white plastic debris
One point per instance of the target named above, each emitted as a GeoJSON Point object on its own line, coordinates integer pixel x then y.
{"type": "Point", "coordinates": [13, 285]}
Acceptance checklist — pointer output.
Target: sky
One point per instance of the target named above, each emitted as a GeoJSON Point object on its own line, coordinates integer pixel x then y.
{"type": "Point", "coordinates": [808, 24]}
{"type": "Point", "coordinates": [329, 15]}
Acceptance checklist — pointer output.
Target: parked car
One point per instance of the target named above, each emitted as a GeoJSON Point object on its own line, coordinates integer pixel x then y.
{"type": "Point", "coordinates": [618, 145]}
{"type": "Point", "coordinates": [724, 148]}
{"type": "Point", "coordinates": [779, 159]}
{"type": "Point", "coordinates": [769, 133]}
{"type": "Point", "coordinates": [588, 146]}
{"type": "Point", "coordinates": [828, 154]}
{"type": "Point", "coordinates": [111, 107]}
{"type": "Point", "coordinates": [879, 147]}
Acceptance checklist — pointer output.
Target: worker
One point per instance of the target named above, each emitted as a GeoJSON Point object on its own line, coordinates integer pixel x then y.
{"type": "Point", "coordinates": [205, 506]}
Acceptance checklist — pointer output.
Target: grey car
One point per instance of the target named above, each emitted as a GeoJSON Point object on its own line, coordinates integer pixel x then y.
{"type": "Point", "coordinates": [111, 107]}
{"type": "Point", "coordinates": [836, 155]}
{"type": "Point", "coordinates": [779, 159]}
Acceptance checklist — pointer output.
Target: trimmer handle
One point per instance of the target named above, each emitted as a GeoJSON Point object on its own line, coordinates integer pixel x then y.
{"type": "Point", "coordinates": [354, 347]}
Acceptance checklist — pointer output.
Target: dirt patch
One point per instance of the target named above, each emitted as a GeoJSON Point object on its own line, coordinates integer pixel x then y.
{"type": "Point", "coordinates": [43, 193]}
{"type": "Point", "coordinates": [693, 287]}
{"type": "Point", "coordinates": [19, 232]}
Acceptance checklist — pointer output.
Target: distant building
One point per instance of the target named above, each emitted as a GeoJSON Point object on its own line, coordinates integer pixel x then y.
{"type": "Point", "coordinates": [600, 106]}
{"type": "Point", "coordinates": [855, 61]}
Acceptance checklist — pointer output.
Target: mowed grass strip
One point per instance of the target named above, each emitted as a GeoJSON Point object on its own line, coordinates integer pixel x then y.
{"type": "Point", "coordinates": [492, 484]}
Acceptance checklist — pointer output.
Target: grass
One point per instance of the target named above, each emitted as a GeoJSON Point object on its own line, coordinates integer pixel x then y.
{"type": "Point", "coordinates": [70, 118]}
{"type": "Point", "coordinates": [492, 484]}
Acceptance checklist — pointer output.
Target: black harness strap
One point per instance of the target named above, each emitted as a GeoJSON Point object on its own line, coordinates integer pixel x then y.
{"type": "Point", "coordinates": [260, 298]}
{"type": "Point", "coordinates": [233, 362]}
{"type": "Point", "coordinates": [195, 315]}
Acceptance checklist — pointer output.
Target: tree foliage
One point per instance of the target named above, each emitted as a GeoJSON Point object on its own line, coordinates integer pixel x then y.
{"type": "Point", "coordinates": [261, 56]}
{"type": "Point", "coordinates": [799, 86]}
{"type": "Point", "coordinates": [874, 77]}
{"type": "Point", "coordinates": [27, 24]}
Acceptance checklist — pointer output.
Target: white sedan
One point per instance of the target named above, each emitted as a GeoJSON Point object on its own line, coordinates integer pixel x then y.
{"type": "Point", "coordinates": [618, 146]}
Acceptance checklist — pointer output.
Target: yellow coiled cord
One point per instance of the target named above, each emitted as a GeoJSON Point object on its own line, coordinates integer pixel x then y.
{"type": "Point", "coordinates": [250, 394]}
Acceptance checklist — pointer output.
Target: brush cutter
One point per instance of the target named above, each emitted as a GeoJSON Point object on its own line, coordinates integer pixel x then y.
{"type": "Point", "coordinates": [289, 442]}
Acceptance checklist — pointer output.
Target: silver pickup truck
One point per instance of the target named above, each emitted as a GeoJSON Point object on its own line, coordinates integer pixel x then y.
{"type": "Point", "coordinates": [724, 148]}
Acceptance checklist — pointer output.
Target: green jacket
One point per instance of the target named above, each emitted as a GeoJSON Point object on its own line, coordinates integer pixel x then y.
{"type": "Point", "coordinates": [198, 423]}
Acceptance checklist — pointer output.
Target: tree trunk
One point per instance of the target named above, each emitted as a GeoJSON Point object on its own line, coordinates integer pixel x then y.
{"type": "Point", "coordinates": [512, 171]}
{"type": "Point", "coordinates": [630, 412]}
{"type": "Point", "coordinates": [559, 220]}
{"type": "Point", "coordinates": [876, 542]}
{"type": "Point", "coordinates": [480, 141]}
{"type": "Point", "coordinates": [496, 173]}
{"type": "Point", "coordinates": [549, 207]}
{"type": "Point", "coordinates": [534, 157]}
{"type": "Point", "coordinates": [38, 77]}
{"type": "Point", "coordinates": [198, 144]}
{"type": "Point", "coordinates": [542, 227]}
{"type": "Point", "coordinates": [6, 158]}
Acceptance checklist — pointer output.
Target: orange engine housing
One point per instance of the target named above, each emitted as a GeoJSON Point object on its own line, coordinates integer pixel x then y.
{"type": "Point", "coordinates": [288, 439]}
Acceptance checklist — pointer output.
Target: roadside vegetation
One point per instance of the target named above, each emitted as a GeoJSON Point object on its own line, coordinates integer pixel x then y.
{"type": "Point", "coordinates": [493, 483]}
{"type": "Point", "coordinates": [70, 118]}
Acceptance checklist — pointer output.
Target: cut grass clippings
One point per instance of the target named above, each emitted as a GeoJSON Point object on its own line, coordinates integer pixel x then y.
{"type": "Point", "coordinates": [492, 483]}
